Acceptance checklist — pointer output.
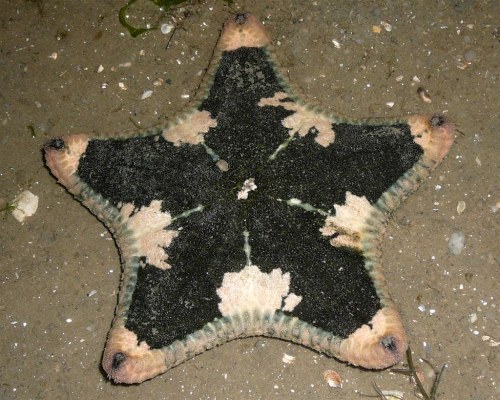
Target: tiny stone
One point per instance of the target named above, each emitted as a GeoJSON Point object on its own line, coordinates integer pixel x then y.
{"type": "Point", "coordinates": [456, 243]}
{"type": "Point", "coordinates": [222, 165]}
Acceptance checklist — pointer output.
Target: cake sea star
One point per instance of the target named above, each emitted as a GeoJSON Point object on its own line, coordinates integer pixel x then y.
{"type": "Point", "coordinates": [253, 214]}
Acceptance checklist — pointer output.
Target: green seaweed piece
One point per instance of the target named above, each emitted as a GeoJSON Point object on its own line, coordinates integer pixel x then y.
{"type": "Point", "coordinates": [164, 6]}
{"type": "Point", "coordinates": [31, 130]}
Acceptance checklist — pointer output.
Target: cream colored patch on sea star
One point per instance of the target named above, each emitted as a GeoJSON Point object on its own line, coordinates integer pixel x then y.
{"type": "Point", "coordinates": [191, 130]}
{"type": "Point", "coordinates": [349, 221]}
{"type": "Point", "coordinates": [148, 224]}
{"type": "Point", "coordinates": [251, 289]}
{"type": "Point", "coordinates": [303, 119]}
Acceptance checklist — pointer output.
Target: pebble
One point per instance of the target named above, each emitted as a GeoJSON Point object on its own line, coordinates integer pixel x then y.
{"type": "Point", "coordinates": [470, 55]}
{"type": "Point", "coordinates": [456, 243]}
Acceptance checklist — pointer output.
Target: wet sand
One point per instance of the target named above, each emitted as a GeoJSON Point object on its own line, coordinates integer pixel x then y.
{"type": "Point", "coordinates": [53, 331]}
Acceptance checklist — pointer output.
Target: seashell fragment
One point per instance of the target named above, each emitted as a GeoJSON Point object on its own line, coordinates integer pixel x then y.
{"type": "Point", "coordinates": [393, 394]}
{"type": "Point", "coordinates": [424, 96]}
{"type": "Point", "coordinates": [333, 378]}
{"type": "Point", "coordinates": [386, 25]}
{"type": "Point", "coordinates": [146, 94]}
{"type": "Point", "coordinates": [461, 207]}
{"type": "Point", "coordinates": [456, 243]}
{"type": "Point", "coordinates": [288, 359]}
{"type": "Point", "coordinates": [26, 204]}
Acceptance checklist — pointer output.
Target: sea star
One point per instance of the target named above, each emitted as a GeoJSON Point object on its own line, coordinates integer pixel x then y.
{"type": "Point", "coordinates": [254, 214]}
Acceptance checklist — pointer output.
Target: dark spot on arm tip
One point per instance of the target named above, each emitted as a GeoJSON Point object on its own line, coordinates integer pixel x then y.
{"type": "Point", "coordinates": [118, 360]}
{"type": "Point", "coordinates": [437, 120]}
{"type": "Point", "coordinates": [240, 18]}
{"type": "Point", "coordinates": [390, 344]}
{"type": "Point", "coordinates": [56, 144]}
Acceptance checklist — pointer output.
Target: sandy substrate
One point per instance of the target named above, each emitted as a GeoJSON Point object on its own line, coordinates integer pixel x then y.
{"type": "Point", "coordinates": [59, 271]}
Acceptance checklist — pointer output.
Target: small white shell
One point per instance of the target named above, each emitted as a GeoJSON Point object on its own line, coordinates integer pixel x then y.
{"type": "Point", "coordinates": [166, 28]}
{"type": "Point", "coordinates": [146, 94]}
{"type": "Point", "coordinates": [461, 207]}
{"type": "Point", "coordinates": [333, 378]}
{"type": "Point", "coordinates": [26, 204]}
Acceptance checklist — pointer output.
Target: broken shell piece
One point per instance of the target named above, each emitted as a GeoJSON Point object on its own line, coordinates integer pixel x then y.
{"type": "Point", "coordinates": [333, 378]}
{"type": "Point", "coordinates": [248, 186]}
{"type": "Point", "coordinates": [288, 359]}
{"type": "Point", "coordinates": [146, 94]}
{"type": "Point", "coordinates": [26, 205]}
{"type": "Point", "coordinates": [424, 96]}
{"type": "Point", "coordinates": [393, 394]}
{"type": "Point", "coordinates": [461, 207]}
{"type": "Point", "coordinates": [166, 28]}
{"type": "Point", "coordinates": [158, 82]}
{"type": "Point", "coordinates": [387, 25]}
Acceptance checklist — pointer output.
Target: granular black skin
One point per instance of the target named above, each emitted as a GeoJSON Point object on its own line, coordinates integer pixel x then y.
{"type": "Point", "coordinates": [338, 295]}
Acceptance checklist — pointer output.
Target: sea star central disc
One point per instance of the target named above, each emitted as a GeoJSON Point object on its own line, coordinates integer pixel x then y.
{"type": "Point", "coordinates": [254, 214]}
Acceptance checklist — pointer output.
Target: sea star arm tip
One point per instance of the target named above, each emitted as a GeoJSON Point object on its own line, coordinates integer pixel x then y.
{"type": "Point", "coordinates": [243, 30]}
